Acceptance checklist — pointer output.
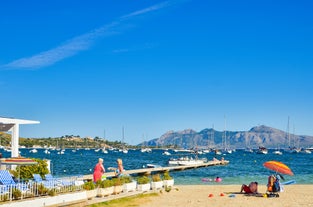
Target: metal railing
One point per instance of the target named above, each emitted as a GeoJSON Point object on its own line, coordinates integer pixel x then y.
{"type": "Point", "coordinates": [31, 189]}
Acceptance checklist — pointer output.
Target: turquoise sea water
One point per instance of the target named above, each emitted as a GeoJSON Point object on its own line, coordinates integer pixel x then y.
{"type": "Point", "coordinates": [243, 167]}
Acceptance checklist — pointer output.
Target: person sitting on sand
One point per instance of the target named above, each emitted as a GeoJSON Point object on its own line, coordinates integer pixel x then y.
{"type": "Point", "coordinates": [252, 188]}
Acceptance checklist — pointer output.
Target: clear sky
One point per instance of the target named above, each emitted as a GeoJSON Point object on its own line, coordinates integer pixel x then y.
{"type": "Point", "coordinates": [90, 68]}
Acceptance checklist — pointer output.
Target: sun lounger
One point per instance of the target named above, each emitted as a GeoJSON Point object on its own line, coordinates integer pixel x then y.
{"type": "Point", "coordinates": [59, 181]}
{"type": "Point", "coordinates": [46, 183]}
{"type": "Point", "coordinates": [7, 182]}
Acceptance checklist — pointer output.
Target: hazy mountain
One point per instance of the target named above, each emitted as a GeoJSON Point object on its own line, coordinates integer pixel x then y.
{"type": "Point", "coordinates": [255, 137]}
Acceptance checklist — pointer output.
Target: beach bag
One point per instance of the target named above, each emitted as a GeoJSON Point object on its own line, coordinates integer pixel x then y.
{"type": "Point", "coordinates": [273, 184]}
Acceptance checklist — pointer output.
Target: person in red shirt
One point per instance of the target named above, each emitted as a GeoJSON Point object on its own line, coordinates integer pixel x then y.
{"type": "Point", "coordinates": [98, 170]}
{"type": "Point", "coordinates": [251, 188]}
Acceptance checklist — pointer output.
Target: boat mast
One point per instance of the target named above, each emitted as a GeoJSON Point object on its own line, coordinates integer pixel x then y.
{"type": "Point", "coordinates": [288, 133]}
{"type": "Point", "coordinates": [211, 145]}
{"type": "Point", "coordinates": [225, 142]}
{"type": "Point", "coordinates": [123, 138]}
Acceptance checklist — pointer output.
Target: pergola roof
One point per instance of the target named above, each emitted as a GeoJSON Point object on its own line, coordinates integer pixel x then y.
{"type": "Point", "coordinates": [11, 124]}
{"type": "Point", "coordinates": [4, 120]}
{"type": "Point", "coordinates": [5, 127]}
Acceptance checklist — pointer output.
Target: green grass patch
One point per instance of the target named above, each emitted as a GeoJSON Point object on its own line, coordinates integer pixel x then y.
{"type": "Point", "coordinates": [131, 201]}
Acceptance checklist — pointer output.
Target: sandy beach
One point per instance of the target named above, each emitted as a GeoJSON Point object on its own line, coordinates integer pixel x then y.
{"type": "Point", "coordinates": [198, 195]}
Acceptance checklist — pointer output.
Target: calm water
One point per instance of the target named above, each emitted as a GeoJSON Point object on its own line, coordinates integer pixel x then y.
{"type": "Point", "coordinates": [242, 168]}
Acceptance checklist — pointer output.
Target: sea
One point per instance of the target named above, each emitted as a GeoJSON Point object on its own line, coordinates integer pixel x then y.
{"type": "Point", "coordinates": [243, 166]}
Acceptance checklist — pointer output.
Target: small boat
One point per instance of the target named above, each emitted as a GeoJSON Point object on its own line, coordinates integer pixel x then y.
{"type": "Point", "coordinates": [262, 150]}
{"type": "Point", "coordinates": [166, 153]}
{"type": "Point", "coordinates": [33, 151]}
{"type": "Point", "coordinates": [186, 161]}
{"type": "Point", "coordinates": [191, 162]}
{"type": "Point", "coordinates": [305, 151]}
{"type": "Point", "coordinates": [309, 148]}
{"type": "Point", "coordinates": [183, 150]}
{"type": "Point", "coordinates": [277, 152]}
{"type": "Point", "coordinates": [104, 150]}
{"type": "Point", "coordinates": [153, 166]}
{"type": "Point", "coordinates": [146, 150]}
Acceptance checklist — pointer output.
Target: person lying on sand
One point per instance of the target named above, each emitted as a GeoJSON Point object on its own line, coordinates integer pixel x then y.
{"type": "Point", "coordinates": [252, 188]}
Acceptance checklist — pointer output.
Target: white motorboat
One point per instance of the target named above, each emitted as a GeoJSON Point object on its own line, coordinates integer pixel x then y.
{"type": "Point", "coordinates": [186, 161]}
{"type": "Point", "coordinates": [166, 153]}
{"type": "Point", "coordinates": [277, 152]}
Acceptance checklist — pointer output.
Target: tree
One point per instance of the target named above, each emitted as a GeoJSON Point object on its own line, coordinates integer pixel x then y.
{"type": "Point", "coordinates": [25, 172]}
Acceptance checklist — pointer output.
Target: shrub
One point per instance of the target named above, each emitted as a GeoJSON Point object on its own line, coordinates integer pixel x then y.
{"type": "Point", "coordinates": [156, 177]}
{"type": "Point", "coordinates": [89, 185]}
{"type": "Point", "coordinates": [25, 172]}
{"type": "Point", "coordinates": [117, 181]}
{"type": "Point", "coordinates": [16, 193]}
{"type": "Point", "coordinates": [106, 184]}
{"type": "Point", "coordinates": [5, 197]}
{"type": "Point", "coordinates": [167, 176]}
{"type": "Point", "coordinates": [52, 192]}
{"type": "Point", "coordinates": [98, 183]}
{"type": "Point", "coordinates": [143, 180]}
{"type": "Point", "coordinates": [126, 179]}
{"type": "Point", "coordinates": [42, 190]}
{"type": "Point", "coordinates": [168, 188]}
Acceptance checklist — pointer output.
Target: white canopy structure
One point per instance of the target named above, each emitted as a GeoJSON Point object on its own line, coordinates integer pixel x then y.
{"type": "Point", "coordinates": [13, 125]}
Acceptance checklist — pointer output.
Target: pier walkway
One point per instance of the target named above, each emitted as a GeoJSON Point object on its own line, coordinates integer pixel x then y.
{"type": "Point", "coordinates": [147, 171]}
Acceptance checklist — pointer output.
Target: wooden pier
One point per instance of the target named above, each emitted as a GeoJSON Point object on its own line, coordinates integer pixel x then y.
{"type": "Point", "coordinates": [147, 171]}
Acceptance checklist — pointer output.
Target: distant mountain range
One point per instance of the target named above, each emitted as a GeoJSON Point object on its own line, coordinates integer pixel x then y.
{"type": "Point", "coordinates": [257, 136]}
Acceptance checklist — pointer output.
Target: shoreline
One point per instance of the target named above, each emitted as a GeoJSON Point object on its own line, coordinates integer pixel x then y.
{"type": "Point", "coordinates": [228, 195]}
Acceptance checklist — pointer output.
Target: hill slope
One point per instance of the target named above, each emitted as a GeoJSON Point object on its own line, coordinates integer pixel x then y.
{"type": "Point", "coordinates": [255, 137]}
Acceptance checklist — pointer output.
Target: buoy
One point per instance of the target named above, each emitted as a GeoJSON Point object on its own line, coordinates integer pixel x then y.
{"type": "Point", "coordinates": [218, 179]}
{"type": "Point", "coordinates": [222, 194]}
{"type": "Point", "coordinates": [210, 195]}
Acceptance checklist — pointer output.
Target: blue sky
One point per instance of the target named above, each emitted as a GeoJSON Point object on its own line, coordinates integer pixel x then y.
{"type": "Point", "coordinates": [82, 68]}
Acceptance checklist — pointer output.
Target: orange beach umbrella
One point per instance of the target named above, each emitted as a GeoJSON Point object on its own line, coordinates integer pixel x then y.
{"type": "Point", "coordinates": [278, 167]}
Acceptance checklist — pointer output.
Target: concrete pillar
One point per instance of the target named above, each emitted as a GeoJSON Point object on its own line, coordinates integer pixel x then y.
{"type": "Point", "coordinates": [15, 140]}
{"type": "Point", "coordinates": [49, 165]}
